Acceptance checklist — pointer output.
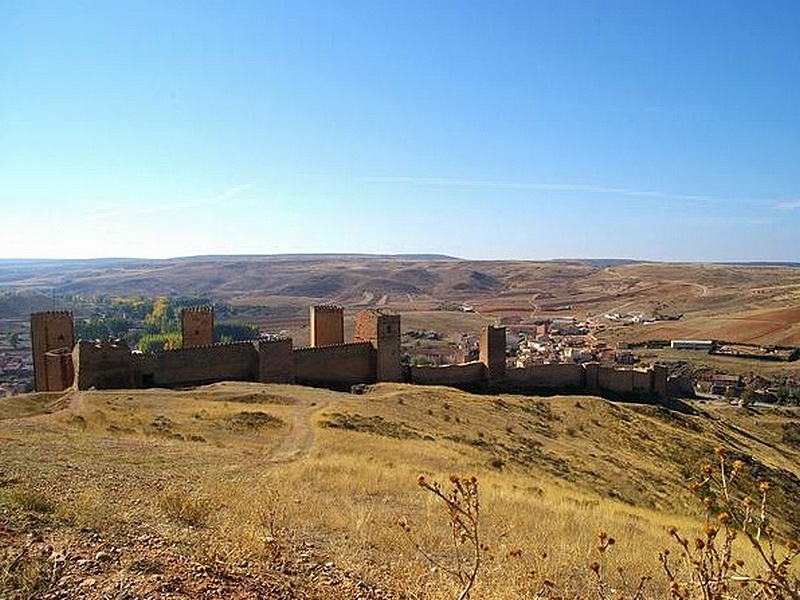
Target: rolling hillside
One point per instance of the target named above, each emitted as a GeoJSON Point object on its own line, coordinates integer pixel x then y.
{"type": "Point", "coordinates": [247, 490]}
{"type": "Point", "coordinates": [754, 304]}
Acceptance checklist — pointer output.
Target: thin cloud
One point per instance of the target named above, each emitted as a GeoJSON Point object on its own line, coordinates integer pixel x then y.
{"type": "Point", "coordinates": [567, 187]}
{"type": "Point", "coordinates": [791, 205]}
{"type": "Point", "coordinates": [144, 211]}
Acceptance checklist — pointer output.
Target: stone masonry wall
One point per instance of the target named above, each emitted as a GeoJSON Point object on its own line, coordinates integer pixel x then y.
{"type": "Point", "coordinates": [197, 326]}
{"type": "Point", "coordinates": [237, 361]}
{"type": "Point", "coordinates": [275, 361]}
{"type": "Point", "coordinates": [454, 375]}
{"type": "Point", "coordinates": [555, 376]}
{"type": "Point", "coordinates": [344, 364]}
{"type": "Point", "coordinates": [50, 330]}
{"type": "Point", "coordinates": [103, 365]}
{"type": "Point", "coordinates": [326, 326]}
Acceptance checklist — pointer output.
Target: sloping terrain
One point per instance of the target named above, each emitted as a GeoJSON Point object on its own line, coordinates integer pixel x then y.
{"type": "Point", "coordinates": [755, 304]}
{"type": "Point", "coordinates": [248, 491]}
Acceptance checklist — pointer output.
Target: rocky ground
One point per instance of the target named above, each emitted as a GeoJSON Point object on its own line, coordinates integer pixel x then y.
{"type": "Point", "coordinates": [41, 558]}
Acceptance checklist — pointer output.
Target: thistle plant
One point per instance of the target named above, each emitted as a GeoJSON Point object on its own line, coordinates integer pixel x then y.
{"type": "Point", "coordinates": [714, 570]}
{"type": "Point", "coordinates": [462, 503]}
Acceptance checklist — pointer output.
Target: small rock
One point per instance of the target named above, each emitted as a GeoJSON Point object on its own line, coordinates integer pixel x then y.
{"type": "Point", "coordinates": [102, 556]}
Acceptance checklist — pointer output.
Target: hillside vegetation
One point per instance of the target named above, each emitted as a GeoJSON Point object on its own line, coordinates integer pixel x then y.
{"type": "Point", "coordinates": [744, 303]}
{"type": "Point", "coordinates": [247, 490]}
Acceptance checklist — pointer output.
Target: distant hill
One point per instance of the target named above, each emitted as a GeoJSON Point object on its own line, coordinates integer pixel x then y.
{"type": "Point", "coordinates": [745, 302]}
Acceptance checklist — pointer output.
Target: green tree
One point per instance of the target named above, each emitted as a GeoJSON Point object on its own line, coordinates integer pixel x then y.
{"type": "Point", "coordinates": [156, 342]}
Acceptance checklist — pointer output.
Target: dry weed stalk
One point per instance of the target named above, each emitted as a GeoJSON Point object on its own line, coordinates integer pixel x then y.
{"type": "Point", "coordinates": [713, 568]}
{"type": "Point", "coordinates": [463, 508]}
{"type": "Point", "coordinates": [603, 586]}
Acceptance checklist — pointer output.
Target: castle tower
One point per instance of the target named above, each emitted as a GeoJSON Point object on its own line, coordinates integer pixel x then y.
{"type": "Point", "coordinates": [327, 325]}
{"type": "Point", "coordinates": [51, 332]}
{"type": "Point", "coordinates": [493, 351]}
{"type": "Point", "coordinates": [382, 330]}
{"type": "Point", "coordinates": [197, 326]}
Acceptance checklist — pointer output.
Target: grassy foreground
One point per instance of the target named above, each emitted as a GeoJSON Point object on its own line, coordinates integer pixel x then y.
{"type": "Point", "coordinates": [267, 491]}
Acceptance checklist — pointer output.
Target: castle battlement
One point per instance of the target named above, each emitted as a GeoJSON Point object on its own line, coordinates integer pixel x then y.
{"type": "Point", "coordinates": [374, 355]}
{"type": "Point", "coordinates": [327, 307]}
{"type": "Point", "coordinates": [53, 313]}
{"type": "Point", "coordinates": [174, 351]}
{"type": "Point", "coordinates": [335, 348]}
{"type": "Point", "coordinates": [198, 309]}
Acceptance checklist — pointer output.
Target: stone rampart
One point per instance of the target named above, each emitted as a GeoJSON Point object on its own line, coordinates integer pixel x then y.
{"type": "Point", "coordinates": [103, 365]}
{"type": "Point", "coordinates": [339, 365]}
{"type": "Point", "coordinates": [618, 381]}
{"type": "Point", "coordinates": [453, 375]}
{"type": "Point", "coordinates": [275, 361]}
{"type": "Point", "coordinates": [237, 361]}
{"type": "Point", "coordinates": [58, 369]}
{"type": "Point", "coordinates": [554, 376]}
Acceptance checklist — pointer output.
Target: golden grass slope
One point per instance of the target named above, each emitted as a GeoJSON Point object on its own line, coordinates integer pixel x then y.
{"type": "Point", "coordinates": [251, 490]}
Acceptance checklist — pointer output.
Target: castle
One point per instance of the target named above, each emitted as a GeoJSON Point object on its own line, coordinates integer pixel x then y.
{"type": "Point", "coordinates": [374, 355]}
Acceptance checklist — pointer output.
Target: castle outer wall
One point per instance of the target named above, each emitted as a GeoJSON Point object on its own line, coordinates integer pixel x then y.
{"type": "Point", "coordinates": [375, 356]}
{"type": "Point", "coordinates": [335, 366]}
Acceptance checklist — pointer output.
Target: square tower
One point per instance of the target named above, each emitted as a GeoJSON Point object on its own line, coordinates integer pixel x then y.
{"type": "Point", "coordinates": [197, 326]}
{"type": "Point", "coordinates": [327, 325]}
{"type": "Point", "coordinates": [493, 351]}
{"type": "Point", "coordinates": [382, 330]}
{"type": "Point", "coordinates": [51, 331]}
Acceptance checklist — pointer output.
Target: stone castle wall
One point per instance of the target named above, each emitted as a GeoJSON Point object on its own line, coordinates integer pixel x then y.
{"type": "Point", "coordinates": [237, 361]}
{"type": "Point", "coordinates": [373, 357]}
{"type": "Point", "coordinates": [467, 374]}
{"type": "Point", "coordinates": [103, 365]}
{"type": "Point", "coordinates": [555, 376]}
{"type": "Point", "coordinates": [275, 361]}
{"type": "Point", "coordinates": [344, 364]}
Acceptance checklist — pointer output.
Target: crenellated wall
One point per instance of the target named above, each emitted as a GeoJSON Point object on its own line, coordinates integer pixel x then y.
{"type": "Point", "coordinates": [103, 365]}
{"type": "Point", "coordinates": [453, 375]}
{"type": "Point", "coordinates": [373, 357]}
{"type": "Point", "coordinates": [343, 364]}
{"type": "Point", "coordinates": [275, 361]}
{"type": "Point", "coordinates": [237, 361]}
{"type": "Point", "coordinates": [555, 376]}
{"type": "Point", "coordinates": [619, 381]}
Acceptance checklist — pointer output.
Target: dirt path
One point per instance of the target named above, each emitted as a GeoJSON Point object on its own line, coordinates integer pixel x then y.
{"type": "Point", "coordinates": [300, 434]}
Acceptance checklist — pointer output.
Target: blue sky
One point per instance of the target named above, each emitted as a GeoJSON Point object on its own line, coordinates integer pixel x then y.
{"type": "Point", "coordinates": [663, 130]}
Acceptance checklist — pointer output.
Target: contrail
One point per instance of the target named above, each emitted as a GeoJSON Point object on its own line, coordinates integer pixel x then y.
{"type": "Point", "coordinates": [574, 187]}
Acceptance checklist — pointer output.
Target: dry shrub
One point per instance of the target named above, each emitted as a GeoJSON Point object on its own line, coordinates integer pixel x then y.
{"type": "Point", "coordinates": [28, 572]}
{"type": "Point", "coordinates": [29, 499]}
{"type": "Point", "coordinates": [186, 508]}
{"type": "Point", "coordinates": [708, 566]}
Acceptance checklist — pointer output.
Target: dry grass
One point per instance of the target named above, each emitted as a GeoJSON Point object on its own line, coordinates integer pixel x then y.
{"type": "Point", "coordinates": [553, 472]}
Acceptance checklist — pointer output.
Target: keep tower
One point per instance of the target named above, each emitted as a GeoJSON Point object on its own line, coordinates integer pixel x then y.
{"type": "Point", "coordinates": [326, 325]}
{"type": "Point", "coordinates": [52, 340]}
{"type": "Point", "coordinates": [197, 326]}
{"type": "Point", "coordinates": [382, 329]}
